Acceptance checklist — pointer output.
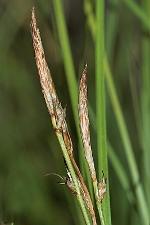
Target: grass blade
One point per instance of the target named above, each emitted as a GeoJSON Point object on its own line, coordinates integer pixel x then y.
{"type": "Point", "coordinates": [70, 75]}
{"type": "Point", "coordinates": [145, 103]}
{"type": "Point", "coordinates": [142, 205]}
{"type": "Point", "coordinates": [100, 104]}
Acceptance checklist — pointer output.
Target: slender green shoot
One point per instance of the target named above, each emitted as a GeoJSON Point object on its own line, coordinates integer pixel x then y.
{"type": "Point", "coordinates": [142, 204]}
{"type": "Point", "coordinates": [100, 105]}
{"type": "Point", "coordinates": [145, 105]}
{"type": "Point", "coordinates": [70, 74]}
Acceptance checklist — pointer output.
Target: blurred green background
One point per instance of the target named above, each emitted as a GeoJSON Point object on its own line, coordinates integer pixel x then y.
{"type": "Point", "coordinates": [28, 146]}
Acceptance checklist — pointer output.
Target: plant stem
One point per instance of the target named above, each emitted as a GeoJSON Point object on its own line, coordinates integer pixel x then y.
{"type": "Point", "coordinates": [70, 74]}
{"type": "Point", "coordinates": [143, 210]}
{"type": "Point", "coordinates": [100, 108]}
{"type": "Point", "coordinates": [71, 169]}
{"type": "Point", "coordinates": [145, 105]}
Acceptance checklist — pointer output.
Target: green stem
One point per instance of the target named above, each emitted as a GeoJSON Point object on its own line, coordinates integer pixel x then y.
{"type": "Point", "coordinates": [143, 210]}
{"type": "Point", "coordinates": [75, 180]}
{"type": "Point", "coordinates": [70, 74]}
{"type": "Point", "coordinates": [99, 205]}
{"type": "Point", "coordinates": [100, 107]}
{"type": "Point", "coordinates": [67, 56]}
{"type": "Point", "coordinates": [145, 103]}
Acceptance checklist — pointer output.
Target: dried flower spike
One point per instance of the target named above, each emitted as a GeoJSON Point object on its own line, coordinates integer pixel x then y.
{"type": "Point", "coordinates": [54, 106]}
{"type": "Point", "coordinates": [84, 122]}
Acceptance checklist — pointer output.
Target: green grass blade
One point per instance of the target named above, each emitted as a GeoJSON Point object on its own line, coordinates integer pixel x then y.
{"type": "Point", "coordinates": [143, 210]}
{"type": "Point", "coordinates": [100, 104]}
{"type": "Point", "coordinates": [145, 103]}
{"type": "Point", "coordinates": [100, 88]}
{"type": "Point", "coordinates": [67, 56]}
{"type": "Point", "coordinates": [120, 172]}
{"type": "Point", "coordinates": [116, 164]}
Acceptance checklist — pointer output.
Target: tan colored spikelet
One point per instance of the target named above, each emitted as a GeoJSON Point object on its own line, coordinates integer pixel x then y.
{"type": "Point", "coordinates": [44, 72]}
{"type": "Point", "coordinates": [84, 122]}
{"type": "Point", "coordinates": [54, 106]}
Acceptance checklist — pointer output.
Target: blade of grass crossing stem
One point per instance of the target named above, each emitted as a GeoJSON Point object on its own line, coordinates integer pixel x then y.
{"type": "Point", "coordinates": [145, 103]}
{"type": "Point", "coordinates": [70, 75]}
{"type": "Point", "coordinates": [100, 104]}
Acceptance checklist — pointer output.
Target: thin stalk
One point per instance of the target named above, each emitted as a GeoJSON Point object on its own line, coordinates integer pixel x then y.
{"type": "Point", "coordinates": [67, 56]}
{"type": "Point", "coordinates": [116, 164]}
{"type": "Point", "coordinates": [70, 73]}
{"type": "Point", "coordinates": [75, 180]}
{"type": "Point", "coordinates": [98, 203]}
{"type": "Point", "coordinates": [100, 106]}
{"type": "Point", "coordinates": [100, 89]}
{"type": "Point", "coordinates": [145, 104]}
{"type": "Point", "coordinates": [142, 204]}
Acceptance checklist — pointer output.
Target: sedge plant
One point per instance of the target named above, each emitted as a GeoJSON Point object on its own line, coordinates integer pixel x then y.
{"type": "Point", "coordinates": [74, 181]}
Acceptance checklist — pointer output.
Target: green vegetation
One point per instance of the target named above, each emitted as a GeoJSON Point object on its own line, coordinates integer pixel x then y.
{"type": "Point", "coordinates": [114, 41]}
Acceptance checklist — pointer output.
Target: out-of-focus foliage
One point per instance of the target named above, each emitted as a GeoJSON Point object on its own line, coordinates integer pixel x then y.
{"type": "Point", "coordinates": [28, 146]}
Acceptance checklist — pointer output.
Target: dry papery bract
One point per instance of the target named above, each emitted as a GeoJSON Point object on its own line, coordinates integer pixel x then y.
{"type": "Point", "coordinates": [84, 123]}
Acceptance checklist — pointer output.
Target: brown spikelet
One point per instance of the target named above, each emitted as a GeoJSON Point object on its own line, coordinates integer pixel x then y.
{"type": "Point", "coordinates": [84, 122]}
{"type": "Point", "coordinates": [54, 106]}
{"type": "Point", "coordinates": [44, 73]}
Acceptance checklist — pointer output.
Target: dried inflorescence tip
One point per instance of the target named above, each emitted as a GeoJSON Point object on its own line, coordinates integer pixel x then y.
{"type": "Point", "coordinates": [44, 72]}
{"type": "Point", "coordinates": [54, 106]}
{"type": "Point", "coordinates": [85, 133]}
{"type": "Point", "coordinates": [84, 122]}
